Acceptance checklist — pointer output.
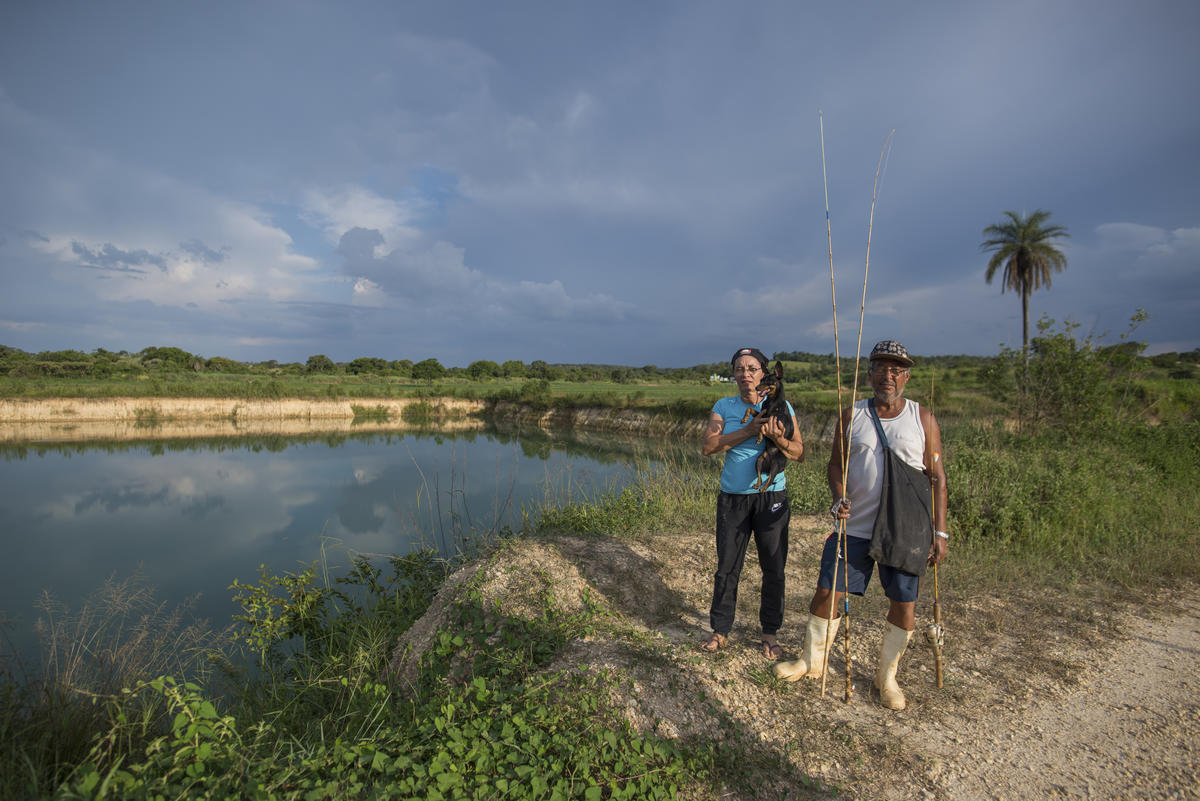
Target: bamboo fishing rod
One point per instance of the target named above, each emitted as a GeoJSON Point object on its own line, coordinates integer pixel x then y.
{"type": "Point", "coordinates": [935, 634]}
{"type": "Point", "coordinates": [837, 371]}
{"type": "Point", "coordinates": [845, 454]}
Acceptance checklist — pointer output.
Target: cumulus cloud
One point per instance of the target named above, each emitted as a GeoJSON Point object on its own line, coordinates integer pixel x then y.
{"type": "Point", "coordinates": [337, 211]}
{"type": "Point", "coordinates": [550, 301]}
{"type": "Point", "coordinates": [21, 325]}
{"type": "Point", "coordinates": [1124, 250]}
{"type": "Point", "coordinates": [108, 257]}
{"type": "Point", "coordinates": [434, 276]}
{"type": "Point", "coordinates": [146, 232]}
{"type": "Point", "coordinates": [368, 293]}
{"type": "Point", "coordinates": [779, 295]}
{"type": "Point", "coordinates": [258, 264]}
{"type": "Point", "coordinates": [203, 252]}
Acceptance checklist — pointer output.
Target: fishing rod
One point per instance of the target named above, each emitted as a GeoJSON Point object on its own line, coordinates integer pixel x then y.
{"type": "Point", "coordinates": [843, 553]}
{"type": "Point", "coordinates": [934, 633]}
{"type": "Point", "coordinates": [862, 311]}
{"type": "Point", "coordinates": [839, 558]}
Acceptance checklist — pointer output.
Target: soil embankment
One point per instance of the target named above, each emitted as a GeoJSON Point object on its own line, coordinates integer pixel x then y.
{"type": "Point", "coordinates": [602, 418]}
{"type": "Point", "coordinates": [813, 427]}
{"type": "Point", "coordinates": [121, 419]}
{"type": "Point", "coordinates": [117, 419]}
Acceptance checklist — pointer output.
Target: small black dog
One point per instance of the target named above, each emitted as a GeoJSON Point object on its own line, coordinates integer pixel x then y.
{"type": "Point", "coordinates": [771, 461]}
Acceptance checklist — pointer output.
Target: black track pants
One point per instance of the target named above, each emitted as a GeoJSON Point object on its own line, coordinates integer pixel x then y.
{"type": "Point", "coordinates": [766, 516]}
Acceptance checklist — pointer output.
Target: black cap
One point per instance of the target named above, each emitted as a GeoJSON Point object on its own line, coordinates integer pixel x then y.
{"type": "Point", "coordinates": [755, 352]}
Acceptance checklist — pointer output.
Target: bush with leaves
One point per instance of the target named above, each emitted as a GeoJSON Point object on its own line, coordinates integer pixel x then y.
{"type": "Point", "coordinates": [1068, 382]}
{"type": "Point", "coordinates": [428, 370]}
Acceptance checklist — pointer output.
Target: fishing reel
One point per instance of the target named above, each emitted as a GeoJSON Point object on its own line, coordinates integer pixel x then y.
{"type": "Point", "coordinates": [935, 635]}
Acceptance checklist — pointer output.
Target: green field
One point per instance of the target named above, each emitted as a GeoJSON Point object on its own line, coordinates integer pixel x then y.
{"type": "Point", "coordinates": [1160, 388]}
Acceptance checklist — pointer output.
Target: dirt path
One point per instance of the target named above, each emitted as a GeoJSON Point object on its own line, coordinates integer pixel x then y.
{"type": "Point", "coordinates": [1096, 702]}
{"type": "Point", "coordinates": [1129, 729]}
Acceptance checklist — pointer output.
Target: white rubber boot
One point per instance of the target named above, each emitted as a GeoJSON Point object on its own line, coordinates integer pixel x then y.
{"type": "Point", "coordinates": [812, 662]}
{"type": "Point", "coordinates": [895, 640]}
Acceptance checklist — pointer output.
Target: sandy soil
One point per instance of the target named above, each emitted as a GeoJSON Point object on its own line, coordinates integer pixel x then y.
{"type": "Point", "coordinates": [128, 419]}
{"type": "Point", "coordinates": [1129, 728]}
{"type": "Point", "coordinates": [1086, 702]}
{"type": "Point", "coordinates": [124, 419]}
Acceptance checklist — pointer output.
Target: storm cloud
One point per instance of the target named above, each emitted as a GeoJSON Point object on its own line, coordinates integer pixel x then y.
{"type": "Point", "coordinates": [625, 183]}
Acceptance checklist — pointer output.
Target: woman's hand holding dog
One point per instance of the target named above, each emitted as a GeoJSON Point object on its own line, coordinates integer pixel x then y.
{"type": "Point", "coordinates": [772, 427]}
{"type": "Point", "coordinates": [754, 428]}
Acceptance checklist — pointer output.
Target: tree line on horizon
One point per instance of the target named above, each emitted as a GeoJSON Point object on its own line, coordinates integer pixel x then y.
{"type": "Point", "coordinates": [802, 365]}
{"type": "Point", "coordinates": [102, 363]}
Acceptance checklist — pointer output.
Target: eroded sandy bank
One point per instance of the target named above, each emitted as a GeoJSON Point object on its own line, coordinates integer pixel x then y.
{"type": "Point", "coordinates": [118, 419]}
{"type": "Point", "coordinates": [87, 419]}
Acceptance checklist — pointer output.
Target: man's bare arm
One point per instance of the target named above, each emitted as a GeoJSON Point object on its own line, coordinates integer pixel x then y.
{"type": "Point", "coordinates": [935, 466]}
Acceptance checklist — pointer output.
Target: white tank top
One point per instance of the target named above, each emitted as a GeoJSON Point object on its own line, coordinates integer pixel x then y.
{"type": "Point", "coordinates": [864, 471]}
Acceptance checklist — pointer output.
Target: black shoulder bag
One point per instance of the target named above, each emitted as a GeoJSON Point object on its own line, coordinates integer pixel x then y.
{"type": "Point", "coordinates": [903, 532]}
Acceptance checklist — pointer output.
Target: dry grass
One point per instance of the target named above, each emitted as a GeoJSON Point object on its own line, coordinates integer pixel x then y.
{"type": "Point", "coordinates": [118, 636]}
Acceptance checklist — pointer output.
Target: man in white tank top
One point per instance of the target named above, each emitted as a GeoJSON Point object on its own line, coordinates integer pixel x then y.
{"type": "Point", "coordinates": [913, 435]}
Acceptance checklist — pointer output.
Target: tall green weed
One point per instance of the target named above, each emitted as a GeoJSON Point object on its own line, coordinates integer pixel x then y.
{"type": "Point", "coordinates": [674, 493]}
{"type": "Point", "coordinates": [1120, 506]}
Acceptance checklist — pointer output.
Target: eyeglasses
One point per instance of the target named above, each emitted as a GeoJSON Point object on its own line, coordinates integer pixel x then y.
{"type": "Point", "coordinates": [747, 369]}
{"type": "Point", "coordinates": [883, 369]}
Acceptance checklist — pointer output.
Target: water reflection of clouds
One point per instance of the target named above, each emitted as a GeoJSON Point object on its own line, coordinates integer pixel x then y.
{"type": "Point", "coordinates": [116, 499]}
{"type": "Point", "coordinates": [202, 507]}
{"type": "Point", "coordinates": [358, 516]}
{"type": "Point", "coordinates": [150, 492]}
{"type": "Point", "coordinates": [184, 486]}
{"type": "Point", "coordinates": [196, 519]}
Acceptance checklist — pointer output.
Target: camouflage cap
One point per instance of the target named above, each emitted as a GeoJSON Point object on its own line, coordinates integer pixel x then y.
{"type": "Point", "coordinates": [893, 350]}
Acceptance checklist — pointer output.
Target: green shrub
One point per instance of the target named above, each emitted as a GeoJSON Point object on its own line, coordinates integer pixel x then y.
{"type": "Point", "coordinates": [535, 391]}
{"type": "Point", "coordinates": [52, 369]}
{"type": "Point", "coordinates": [376, 412]}
{"type": "Point", "coordinates": [418, 412]}
{"type": "Point", "coordinates": [1070, 383]}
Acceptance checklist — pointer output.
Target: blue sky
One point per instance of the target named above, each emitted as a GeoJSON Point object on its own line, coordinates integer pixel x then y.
{"type": "Point", "coordinates": [619, 182]}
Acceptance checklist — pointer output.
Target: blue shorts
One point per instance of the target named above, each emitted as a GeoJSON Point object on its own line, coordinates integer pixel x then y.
{"type": "Point", "coordinates": [897, 585]}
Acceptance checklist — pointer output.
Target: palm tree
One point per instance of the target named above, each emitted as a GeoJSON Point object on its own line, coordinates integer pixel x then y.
{"type": "Point", "coordinates": [1025, 247]}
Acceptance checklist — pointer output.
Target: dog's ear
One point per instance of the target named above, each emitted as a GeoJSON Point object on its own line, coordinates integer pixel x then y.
{"type": "Point", "coordinates": [779, 370]}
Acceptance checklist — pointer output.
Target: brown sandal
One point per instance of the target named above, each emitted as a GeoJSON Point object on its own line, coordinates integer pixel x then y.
{"type": "Point", "coordinates": [714, 643]}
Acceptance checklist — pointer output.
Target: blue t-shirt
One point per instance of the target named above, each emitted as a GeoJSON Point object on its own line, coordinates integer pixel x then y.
{"type": "Point", "coordinates": [738, 475]}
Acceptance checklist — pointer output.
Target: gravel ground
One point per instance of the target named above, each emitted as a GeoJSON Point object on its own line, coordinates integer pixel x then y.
{"type": "Point", "coordinates": [1129, 729]}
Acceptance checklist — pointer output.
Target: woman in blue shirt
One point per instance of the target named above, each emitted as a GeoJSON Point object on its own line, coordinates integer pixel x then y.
{"type": "Point", "coordinates": [742, 510]}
